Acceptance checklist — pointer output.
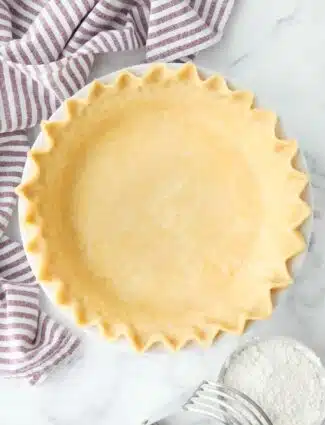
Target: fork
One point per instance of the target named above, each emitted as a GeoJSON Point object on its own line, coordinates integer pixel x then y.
{"type": "Point", "coordinates": [226, 405]}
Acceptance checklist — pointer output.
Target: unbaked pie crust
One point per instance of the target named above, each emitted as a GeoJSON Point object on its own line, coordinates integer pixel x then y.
{"type": "Point", "coordinates": [165, 208]}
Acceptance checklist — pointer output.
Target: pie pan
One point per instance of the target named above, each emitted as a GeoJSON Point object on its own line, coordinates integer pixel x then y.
{"type": "Point", "coordinates": [59, 115]}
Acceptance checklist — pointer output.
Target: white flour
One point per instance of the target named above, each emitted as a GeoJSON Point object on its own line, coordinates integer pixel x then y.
{"type": "Point", "coordinates": [283, 378]}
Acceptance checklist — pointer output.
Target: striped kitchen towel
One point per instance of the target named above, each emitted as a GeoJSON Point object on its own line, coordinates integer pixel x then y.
{"type": "Point", "coordinates": [47, 48]}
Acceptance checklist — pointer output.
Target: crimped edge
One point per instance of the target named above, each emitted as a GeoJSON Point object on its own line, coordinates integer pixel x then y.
{"type": "Point", "coordinates": [158, 73]}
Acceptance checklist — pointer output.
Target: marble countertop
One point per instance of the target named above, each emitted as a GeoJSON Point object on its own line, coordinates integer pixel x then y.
{"type": "Point", "coordinates": [275, 49]}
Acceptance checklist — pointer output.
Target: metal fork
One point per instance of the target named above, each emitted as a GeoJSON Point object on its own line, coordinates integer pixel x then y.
{"type": "Point", "coordinates": [226, 405]}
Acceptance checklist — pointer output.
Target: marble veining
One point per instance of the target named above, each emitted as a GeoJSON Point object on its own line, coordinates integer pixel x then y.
{"type": "Point", "coordinates": [276, 50]}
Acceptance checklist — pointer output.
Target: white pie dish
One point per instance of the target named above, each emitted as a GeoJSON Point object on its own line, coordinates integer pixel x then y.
{"type": "Point", "coordinates": [59, 114]}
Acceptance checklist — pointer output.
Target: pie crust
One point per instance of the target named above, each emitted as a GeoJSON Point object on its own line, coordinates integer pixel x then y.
{"type": "Point", "coordinates": [164, 208]}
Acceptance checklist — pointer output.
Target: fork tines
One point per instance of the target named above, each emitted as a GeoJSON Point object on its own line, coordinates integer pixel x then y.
{"type": "Point", "coordinates": [227, 405]}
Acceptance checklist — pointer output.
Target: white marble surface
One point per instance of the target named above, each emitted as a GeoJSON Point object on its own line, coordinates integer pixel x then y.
{"type": "Point", "coordinates": [275, 48]}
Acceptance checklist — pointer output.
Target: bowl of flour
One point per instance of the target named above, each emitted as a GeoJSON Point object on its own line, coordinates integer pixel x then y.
{"type": "Point", "coordinates": [284, 377]}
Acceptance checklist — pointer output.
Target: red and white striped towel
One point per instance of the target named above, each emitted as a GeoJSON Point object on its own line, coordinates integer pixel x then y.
{"type": "Point", "coordinates": [47, 48]}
